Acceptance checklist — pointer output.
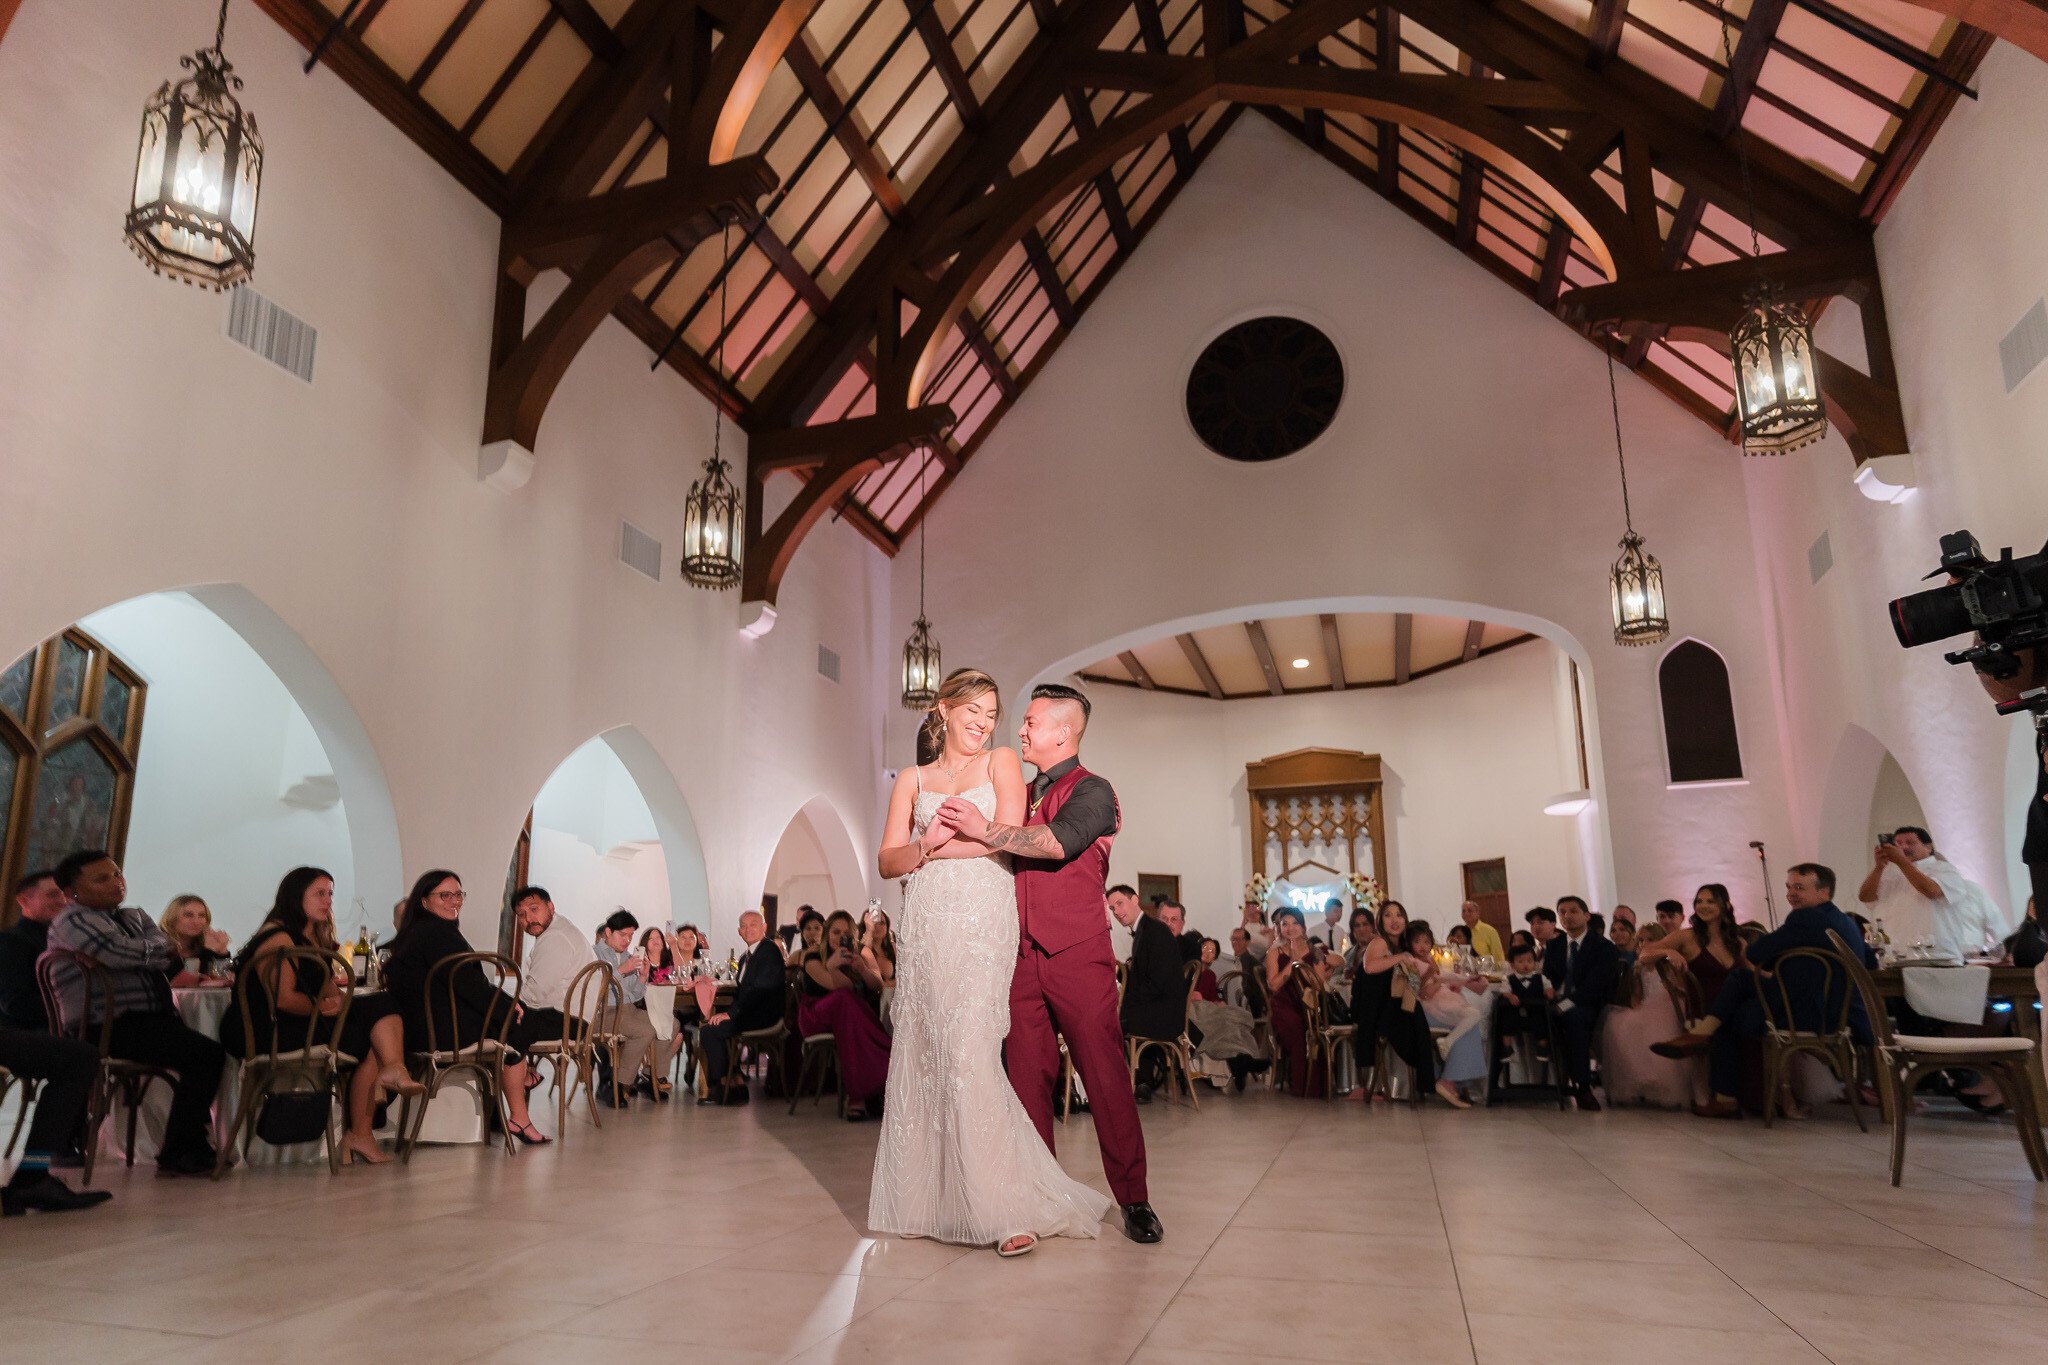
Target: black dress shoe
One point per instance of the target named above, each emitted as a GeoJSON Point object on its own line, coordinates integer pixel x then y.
{"type": "Point", "coordinates": [1588, 1104]}
{"type": "Point", "coordinates": [1141, 1224]}
{"type": "Point", "coordinates": [73, 1160]}
{"type": "Point", "coordinates": [710, 1099]}
{"type": "Point", "coordinates": [47, 1195]}
{"type": "Point", "coordinates": [198, 1162]}
{"type": "Point", "coordinates": [1142, 1094]}
{"type": "Point", "coordinates": [737, 1095]}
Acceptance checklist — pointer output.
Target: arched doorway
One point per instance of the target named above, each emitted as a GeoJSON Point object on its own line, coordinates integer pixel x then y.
{"type": "Point", "coordinates": [1867, 792]}
{"type": "Point", "coordinates": [815, 863]}
{"type": "Point", "coordinates": [234, 754]}
{"type": "Point", "coordinates": [610, 830]}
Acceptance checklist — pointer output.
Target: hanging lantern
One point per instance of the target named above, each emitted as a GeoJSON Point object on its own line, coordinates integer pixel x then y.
{"type": "Point", "coordinates": [711, 529]}
{"type": "Point", "coordinates": [921, 670]}
{"type": "Point", "coordinates": [711, 512]}
{"type": "Point", "coordinates": [1776, 391]}
{"type": "Point", "coordinates": [193, 212]}
{"type": "Point", "coordinates": [1635, 585]}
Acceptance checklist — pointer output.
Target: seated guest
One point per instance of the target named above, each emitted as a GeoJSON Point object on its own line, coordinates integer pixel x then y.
{"type": "Point", "coordinates": [37, 902]}
{"type": "Point", "coordinates": [878, 946]}
{"type": "Point", "coordinates": [757, 1002]}
{"type": "Point", "coordinates": [1258, 934]}
{"type": "Point", "coordinates": [1381, 1015]}
{"type": "Point", "coordinates": [204, 950]}
{"type": "Point", "coordinates": [551, 961]}
{"type": "Point", "coordinates": [1485, 938]}
{"type": "Point", "coordinates": [1155, 999]}
{"type": "Point", "coordinates": [302, 916]}
{"type": "Point", "coordinates": [1710, 947]}
{"type": "Point", "coordinates": [1362, 931]}
{"type": "Point", "coordinates": [1330, 933]}
{"type": "Point", "coordinates": [810, 931]}
{"type": "Point", "coordinates": [1643, 1013]}
{"type": "Point", "coordinates": [664, 968]}
{"type": "Point", "coordinates": [1925, 898]}
{"type": "Point", "coordinates": [1623, 936]}
{"type": "Point", "coordinates": [1294, 968]}
{"type": "Point", "coordinates": [138, 958]}
{"type": "Point", "coordinates": [1542, 922]}
{"type": "Point", "coordinates": [1244, 991]}
{"type": "Point", "coordinates": [1205, 980]}
{"type": "Point", "coordinates": [67, 1069]}
{"type": "Point", "coordinates": [430, 935]}
{"type": "Point", "coordinates": [1522, 1010]}
{"type": "Point", "coordinates": [1584, 969]}
{"type": "Point", "coordinates": [1736, 1016]}
{"type": "Point", "coordinates": [1525, 938]}
{"type": "Point", "coordinates": [1670, 917]}
{"type": "Point", "coordinates": [834, 997]}
{"type": "Point", "coordinates": [1459, 934]}
{"type": "Point", "coordinates": [1449, 1002]}
{"type": "Point", "coordinates": [638, 1046]}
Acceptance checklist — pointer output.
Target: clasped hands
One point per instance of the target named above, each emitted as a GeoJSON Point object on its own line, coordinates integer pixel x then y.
{"type": "Point", "coordinates": [956, 815]}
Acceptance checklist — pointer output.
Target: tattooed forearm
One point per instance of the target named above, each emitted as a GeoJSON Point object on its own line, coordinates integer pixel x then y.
{"type": "Point", "coordinates": [1025, 841]}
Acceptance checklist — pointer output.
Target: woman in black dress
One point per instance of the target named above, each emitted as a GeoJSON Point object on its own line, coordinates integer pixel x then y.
{"type": "Point", "coordinates": [302, 916]}
{"type": "Point", "coordinates": [430, 933]}
{"type": "Point", "coordinates": [1400, 1023]}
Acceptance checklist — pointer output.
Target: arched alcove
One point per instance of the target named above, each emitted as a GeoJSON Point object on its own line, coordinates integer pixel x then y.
{"type": "Point", "coordinates": [250, 761]}
{"type": "Point", "coordinates": [610, 829]}
{"type": "Point", "coordinates": [1697, 704]}
{"type": "Point", "coordinates": [1867, 793]}
{"type": "Point", "coordinates": [1591, 861]}
{"type": "Point", "coordinates": [815, 863]}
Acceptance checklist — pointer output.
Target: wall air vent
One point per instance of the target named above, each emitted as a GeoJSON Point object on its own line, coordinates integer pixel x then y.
{"type": "Point", "coordinates": [639, 551]}
{"type": "Point", "coordinates": [1820, 557]}
{"type": "Point", "coordinates": [285, 341]}
{"type": "Point", "coordinates": [828, 663]}
{"type": "Point", "coordinates": [2023, 349]}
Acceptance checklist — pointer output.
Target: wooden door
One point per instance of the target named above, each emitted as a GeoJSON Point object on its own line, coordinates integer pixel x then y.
{"type": "Point", "coordinates": [1487, 883]}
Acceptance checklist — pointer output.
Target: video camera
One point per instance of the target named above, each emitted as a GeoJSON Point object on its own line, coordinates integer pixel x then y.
{"type": "Point", "coordinates": [2004, 601]}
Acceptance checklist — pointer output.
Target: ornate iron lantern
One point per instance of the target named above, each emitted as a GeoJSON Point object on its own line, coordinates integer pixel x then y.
{"type": "Point", "coordinates": [921, 668]}
{"type": "Point", "coordinates": [1776, 390]}
{"type": "Point", "coordinates": [193, 212]}
{"type": "Point", "coordinates": [711, 512]}
{"type": "Point", "coordinates": [1635, 585]}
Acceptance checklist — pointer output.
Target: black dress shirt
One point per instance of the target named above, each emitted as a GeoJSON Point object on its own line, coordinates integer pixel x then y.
{"type": "Point", "coordinates": [1088, 813]}
{"type": "Point", "coordinates": [21, 998]}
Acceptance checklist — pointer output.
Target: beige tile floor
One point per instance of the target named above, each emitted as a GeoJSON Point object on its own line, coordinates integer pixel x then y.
{"type": "Point", "coordinates": [1295, 1231]}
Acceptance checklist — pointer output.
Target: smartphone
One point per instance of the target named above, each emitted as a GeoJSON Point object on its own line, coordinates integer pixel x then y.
{"type": "Point", "coordinates": [1884, 838]}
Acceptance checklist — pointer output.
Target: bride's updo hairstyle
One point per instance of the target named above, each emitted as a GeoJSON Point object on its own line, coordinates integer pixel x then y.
{"type": "Point", "coordinates": [961, 685]}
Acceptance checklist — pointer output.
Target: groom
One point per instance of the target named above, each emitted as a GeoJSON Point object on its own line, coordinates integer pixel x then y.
{"type": "Point", "coordinates": [1065, 983]}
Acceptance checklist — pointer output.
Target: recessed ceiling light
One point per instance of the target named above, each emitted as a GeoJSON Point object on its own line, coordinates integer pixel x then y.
{"type": "Point", "coordinates": [1301, 663]}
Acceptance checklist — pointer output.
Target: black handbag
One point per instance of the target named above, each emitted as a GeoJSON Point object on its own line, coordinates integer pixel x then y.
{"type": "Point", "coordinates": [289, 1117]}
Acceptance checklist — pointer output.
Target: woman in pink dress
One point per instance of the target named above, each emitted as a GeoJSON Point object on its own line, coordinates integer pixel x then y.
{"type": "Point", "coordinates": [837, 987]}
{"type": "Point", "coordinates": [1709, 947]}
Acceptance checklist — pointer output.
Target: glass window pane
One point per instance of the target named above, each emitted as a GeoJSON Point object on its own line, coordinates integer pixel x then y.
{"type": "Point", "coordinates": [67, 699]}
{"type": "Point", "coordinates": [10, 770]}
{"type": "Point", "coordinates": [14, 684]}
{"type": "Point", "coordinates": [74, 804]}
{"type": "Point", "coordinates": [114, 708]}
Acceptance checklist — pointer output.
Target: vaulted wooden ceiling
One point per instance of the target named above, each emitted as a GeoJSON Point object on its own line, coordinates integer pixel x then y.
{"type": "Point", "coordinates": [908, 204]}
{"type": "Point", "coordinates": [1286, 655]}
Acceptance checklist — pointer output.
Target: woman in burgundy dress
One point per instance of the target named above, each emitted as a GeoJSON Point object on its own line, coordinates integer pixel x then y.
{"type": "Point", "coordinates": [838, 985]}
{"type": "Point", "coordinates": [1292, 970]}
{"type": "Point", "coordinates": [1710, 947]}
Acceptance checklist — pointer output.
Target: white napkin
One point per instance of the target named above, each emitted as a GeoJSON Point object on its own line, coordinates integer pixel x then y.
{"type": "Point", "coordinates": [661, 1011]}
{"type": "Point", "coordinates": [1952, 993]}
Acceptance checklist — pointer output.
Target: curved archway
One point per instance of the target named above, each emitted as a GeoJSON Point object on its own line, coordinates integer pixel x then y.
{"type": "Point", "coordinates": [816, 862]}
{"type": "Point", "coordinates": [610, 827]}
{"type": "Point", "coordinates": [1867, 790]}
{"type": "Point", "coordinates": [1595, 846]}
{"type": "Point", "coordinates": [251, 758]}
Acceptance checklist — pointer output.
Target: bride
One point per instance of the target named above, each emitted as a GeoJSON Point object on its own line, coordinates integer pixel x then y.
{"type": "Point", "coordinates": [959, 1159]}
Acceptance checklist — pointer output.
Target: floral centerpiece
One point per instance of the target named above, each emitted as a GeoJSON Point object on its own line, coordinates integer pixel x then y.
{"type": "Point", "coordinates": [1257, 889]}
{"type": "Point", "coordinates": [1365, 892]}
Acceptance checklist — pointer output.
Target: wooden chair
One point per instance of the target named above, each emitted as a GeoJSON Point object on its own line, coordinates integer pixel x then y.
{"type": "Point", "coordinates": [292, 1059]}
{"type": "Point", "coordinates": [1498, 1086]}
{"type": "Point", "coordinates": [590, 1020]}
{"type": "Point", "coordinates": [820, 1058]}
{"type": "Point", "coordinates": [29, 1086]}
{"type": "Point", "coordinates": [1683, 988]}
{"type": "Point", "coordinates": [116, 1078]}
{"type": "Point", "coordinates": [755, 1044]}
{"type": "Point", "coordinates": [444, 1057]}
{"type": "Point", "coordinates": [1337, 1039]}
{"type": "Point", "coordinates": [1177, 1051]}
{"type": "Point", "coordinates": [1903, 1058]}
{"type": "Point", "coordinates": [1784, 1039]}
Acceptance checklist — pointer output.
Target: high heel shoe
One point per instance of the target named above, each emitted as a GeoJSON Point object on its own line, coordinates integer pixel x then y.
{"type": "Point", "coordinates": [364, 1150]}
{"type": "Point", "coordinates": [397, 1080]}
{"type": "Point", "coordinates": [531, 1136]}
{"type": "Point", "coordinates": [1028, 1242]}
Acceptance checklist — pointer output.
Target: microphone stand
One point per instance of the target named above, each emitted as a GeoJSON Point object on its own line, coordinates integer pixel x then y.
{"type": "Point", "coordinates": [1770, 904]}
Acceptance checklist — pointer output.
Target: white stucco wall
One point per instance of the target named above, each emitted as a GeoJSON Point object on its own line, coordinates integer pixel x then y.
{"type": "Point", "coordinates": [479, 638]}
{"type": "Point", "coordinates": [1471, 469]}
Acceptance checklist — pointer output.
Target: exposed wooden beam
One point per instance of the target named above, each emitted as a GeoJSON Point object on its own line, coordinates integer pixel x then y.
{"type": "Point", "coordinates": [1333, 653]}
{"type": "Point", "coordinates": [1966, 50]}
{"type": "Point", "coordinates": [1471, 176]}
{"type": "Point", "coordinates": [931, 29]}
{"type": "Point", "coordinates": [1474, 630]}
{"type": "Point", "coordinates": [808, 447]}
{"type": "Point", "coordinates": [1152, 29]}
{"type": "Point", "coordinates": [817, 83]}
{"type": "Point", "coordinates": [1710, 296]}
{"type": "Point", "coordinates": [1557, 250]}
{"type": "Point", "coordinates": [1136, 670]}
{"type": "Point", "coordinates": [588, 25]}
{"type": "Point", "coordinates": [1049, 279]}
{"type": "Point", "coordinates": [1415, 677]}
{"type": "Point", "coordinates": [1759, 31]}
{"type": "Point", "coordinates": [1603, 40]}
{"type": "Point", "coordinates": [1261, 647]}
{"type": "Point", "coordinates": [557, 236]}
{"type": "Point", "coordinates": [1404, 647]}
{"type": "Point", "coordinates": [1200, 663]}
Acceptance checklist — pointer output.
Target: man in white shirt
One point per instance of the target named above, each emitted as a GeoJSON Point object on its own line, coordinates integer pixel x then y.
{"type": "Point", "coordinates": [1922, 897]}
{"type": "Point", "coordinates": [552, 960]}
{"type": "Point", "coordinates": [1258, 934]}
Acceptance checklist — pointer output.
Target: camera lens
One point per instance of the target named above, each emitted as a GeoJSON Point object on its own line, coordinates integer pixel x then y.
{"type": "Point", "coordinates": [1924, 617]}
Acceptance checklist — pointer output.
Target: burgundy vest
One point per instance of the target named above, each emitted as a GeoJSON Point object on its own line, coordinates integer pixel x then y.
{"type": "Point", "coordinates": [1060, 904]}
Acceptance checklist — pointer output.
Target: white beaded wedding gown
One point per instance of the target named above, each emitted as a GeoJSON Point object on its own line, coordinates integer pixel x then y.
{"type": "Point", "coordinates": [959, 1159]}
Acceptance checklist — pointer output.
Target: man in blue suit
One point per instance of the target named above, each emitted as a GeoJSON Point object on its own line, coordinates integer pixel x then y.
{"type": "Point", "coordinates": [1736, 1016]}
{"type": "Point", "coordinates": [1584, 968]}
